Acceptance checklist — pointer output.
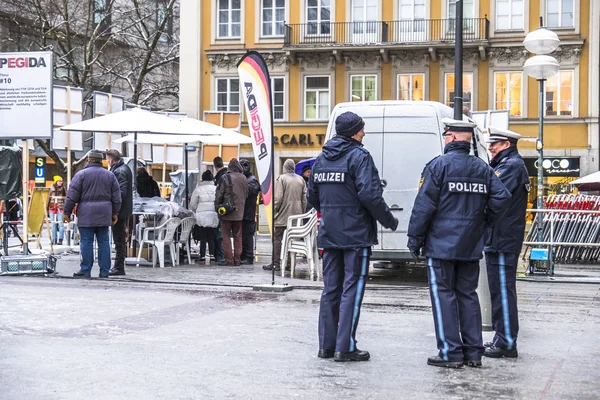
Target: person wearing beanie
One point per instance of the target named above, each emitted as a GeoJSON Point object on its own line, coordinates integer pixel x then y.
{"type": "Point", "coordinates": [345, 188]}
{"type": "Point", "coordinates": [96, 192]}
{"type": "Point", "coordinates": [202, 204]}
{"type": "Point", "coordinates": [56, 206]}
{"type": "Point", "coordinates": [249, 220]}
{"type": "Point", "coordinates": [232, 188]}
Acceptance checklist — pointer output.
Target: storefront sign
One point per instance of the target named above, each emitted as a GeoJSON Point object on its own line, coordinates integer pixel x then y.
{"type": "Point", "coordinates": [300, 139]}
{"type": "Point", "coordinates": [554, 166]}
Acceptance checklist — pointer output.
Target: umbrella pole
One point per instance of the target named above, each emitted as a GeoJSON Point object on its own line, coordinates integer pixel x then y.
{"type": "Point", "coordinates": [185, 152]}
{"type": "Point", "coordinates": [134, 227]}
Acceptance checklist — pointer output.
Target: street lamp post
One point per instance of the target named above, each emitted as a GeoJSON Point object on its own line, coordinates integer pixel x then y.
{"type": "Point", "coordinates": [541, 66]}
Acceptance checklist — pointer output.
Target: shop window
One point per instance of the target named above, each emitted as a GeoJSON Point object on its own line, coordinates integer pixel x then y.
{"type": "Point", "coordinates": [467, 90]}
{"type": "Point", "coordinates": [318, 17]}
{"type": "Point", "coordinates": [278, 95]}
{"type": "Point", "coordinates": [559, 94]}
{"type": "Point", "coordinates": [559, 13]}
{"type": "Point", "coordinates": [508, 92]}
{"type": "Point", "coordinates": [273, 16]}
{"type": "Point", "coordinates": [509, 15]}
{"type": "Point", "coordinates": [363, 87]}
{"type": "Point", "coordinates": [229, 13]}
{"type": "Point", "coordinates": [228, 94]}
{"type": "Point", "coordinates": [411, 86]}
{"type": "Point", "coordinates": [316, 97]}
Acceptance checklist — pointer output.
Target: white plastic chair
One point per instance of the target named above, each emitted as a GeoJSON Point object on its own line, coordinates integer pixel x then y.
{"type": "Point", "coordinates": [184, 238]}
{"type": "Point", "coordinates": [163, 235]}
{"type": "Point", "coordinates": [300, 237]}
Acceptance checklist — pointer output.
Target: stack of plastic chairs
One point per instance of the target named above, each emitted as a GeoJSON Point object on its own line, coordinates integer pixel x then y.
{"type": "Point", "coordinates": [164, 235]}
{"type": "Point", "coordinates": [301, 237]}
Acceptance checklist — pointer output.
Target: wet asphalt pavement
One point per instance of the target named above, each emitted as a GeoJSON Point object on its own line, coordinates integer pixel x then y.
{"type": "Point", "coordinates": [180, 333]}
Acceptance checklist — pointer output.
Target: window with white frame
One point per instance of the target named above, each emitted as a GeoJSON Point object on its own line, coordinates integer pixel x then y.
{"type": "Point", "coordinates": [228, 94]}
{"type": "Point", "coordinates": [560, 94]}
{"type": "Point", "coordinates": [363, 87]}
{"type": "Point", "coordinates": [559, 13]}
{"type": "Point", "coordinates": [318, 17]}
{"type": "Point", "coordinates": [468, 9]}
{"type": "Point", "coordinates": [278, 95]}
{"type": "Point", "coordinates": [273, 16]}
{"type": "Point", "coordinates": [229, 17]}
{"type": "Point", "coordinates": [411, 86]}
{"type": "Point", "coordinates": [508, 92]}
{"type": "Point", "coordinates": [316, 97]}
{"type": "Point", "coordinates": [467, 90]}
{"type": "Point", "coordinates": [509, 15]}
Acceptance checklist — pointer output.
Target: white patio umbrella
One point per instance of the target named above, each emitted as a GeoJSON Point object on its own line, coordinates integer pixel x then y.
{"type": "Point", "coordinates": [588, 183]}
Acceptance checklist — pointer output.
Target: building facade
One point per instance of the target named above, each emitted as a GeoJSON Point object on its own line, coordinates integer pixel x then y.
{"type": "Point", "coordinates": [322, 52]}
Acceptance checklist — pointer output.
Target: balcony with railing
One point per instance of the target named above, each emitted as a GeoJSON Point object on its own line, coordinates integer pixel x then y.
{"type": "Point", "coordinates": [387, 33]}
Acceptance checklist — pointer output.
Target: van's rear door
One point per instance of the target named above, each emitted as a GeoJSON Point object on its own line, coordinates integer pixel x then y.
{"type": "Point", "coordinates": [411, 138]}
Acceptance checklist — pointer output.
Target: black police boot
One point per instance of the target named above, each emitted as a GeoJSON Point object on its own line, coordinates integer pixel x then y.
{"type": "Point", "coordinates": [356, 355]}
{"type": "Point", "coordinates": [438, 361]}
{"type": "Point", "coordinates": [473, 363]}
{"type": "Point", "coordinates": [496, 352]}
{"type": "Point", "coordinates": [81, 275]}
{"type": "Point", "coordinates": [323, 353]}
{"type": "Point", "coordinates": [488, 344]}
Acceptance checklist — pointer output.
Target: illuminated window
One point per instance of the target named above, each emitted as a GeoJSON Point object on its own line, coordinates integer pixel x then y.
{"type": "Point", "coordinates": [228, 94]}
{"type": "Point", "coordinates": [559, 13]}
{"type": "Point", "coordinates": [316, 97]}
{"type": "Point", "coordinates": [411, 87]}
{"type": "Point", "coordinates": [229, 13]}
{"type": "Point", "coordinates": [467, 90]}
{"type": "Point", "coordinates": [278, 94]}
{"type": "Point", "coordinates": [273, 15]}
{"type": "Point", "coordinates": [318, 16]}
{"type": "Point", "coordinates": [363, 88]}
{"type": "Point", "coordinates": [509, 14]}
{"type": "Point", "coordinates": [508, 92]}
{"type": "Point", "coordinates": [559, 92]}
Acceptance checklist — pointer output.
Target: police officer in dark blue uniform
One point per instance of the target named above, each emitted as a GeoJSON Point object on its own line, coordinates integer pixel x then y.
{"type": "Point", "coordinates": [459, 196]}
{"type": "Point", "coordinates": [504, 242]}
{"type": "Point", "coordinates": [345, 187]}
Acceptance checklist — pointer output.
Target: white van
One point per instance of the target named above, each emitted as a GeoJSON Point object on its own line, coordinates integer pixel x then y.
{"type": "Point", "coordinates": [402, 136]}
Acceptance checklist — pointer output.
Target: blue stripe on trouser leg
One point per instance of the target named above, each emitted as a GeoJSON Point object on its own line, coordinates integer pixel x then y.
{"type": "Point", "coordinates": [505, 312]}
{"type": "Point", "coordinates": [438, 311]}
{"type": "Point", "coordinates": [359, 293]}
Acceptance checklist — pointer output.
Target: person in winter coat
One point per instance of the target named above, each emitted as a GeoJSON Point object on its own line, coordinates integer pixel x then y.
{"type": "Point", "coordinates": [249, 221]}
{"type": "Point", "coordinates": [145, 185]}
{"type": "Point", "coordinates": [203, 205]}
{"type": "Point", "coordinates": [232, 188]}
{"type": "Point", "coordinates": [345, 187]}
{"type": "Point", "coordinates": [290, 199]}
{"type": "Point", "coordinates": [58, 192]}
{"type": "Point", "coordinates": [119, 230]}
{"type": "Point", "coordinates": [97, 194]}
{"type": "Point", "coordinates": [221, 170]}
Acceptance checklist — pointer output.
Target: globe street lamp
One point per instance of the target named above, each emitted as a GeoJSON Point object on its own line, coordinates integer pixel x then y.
{"type": "Point", "coordinates": [541, 66]}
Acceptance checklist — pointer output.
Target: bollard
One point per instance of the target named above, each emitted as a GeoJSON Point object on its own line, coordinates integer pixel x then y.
{"type": "Point", "coordinates": [485, 299]}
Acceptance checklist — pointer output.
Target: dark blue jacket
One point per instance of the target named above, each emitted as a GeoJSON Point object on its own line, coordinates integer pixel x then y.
{"type": "Point", "coordinates": [345, 188]}
{"type": "Point", "coordinates": [125, 179]}
{"type": "Point", "coordinates": [508, 232]}
{"type": "Point", "coordinates": [96, 192]}
{"type": "Point", "coordinates": [459, 197]}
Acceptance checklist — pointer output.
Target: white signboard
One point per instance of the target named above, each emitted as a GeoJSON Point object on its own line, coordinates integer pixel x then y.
{"type": "Point", "coordinates": [68, 109]}
{"type": "Point", "coordinates": [106, 103]}
{"type": "Point", "coordinates": [174, 154]}
{"type": "Point", "coordinates": [144, 151]}
{"type": "Point", "coordinates": [26, 95]}
{"type": "Point", "coordinates": [495, 118]}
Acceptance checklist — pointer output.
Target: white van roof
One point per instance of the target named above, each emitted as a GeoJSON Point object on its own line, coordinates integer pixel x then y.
{"type": "Point", "coordinates": [439, 107]}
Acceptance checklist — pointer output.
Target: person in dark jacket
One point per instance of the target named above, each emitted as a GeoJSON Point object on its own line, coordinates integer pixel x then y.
{"type": "Point", "coordinates": [459, 197]}
{"type": "Point", "coordinates": [249, 221]}
{"type": "Point", "coordinates": [504, 242]}
{"type": "Point", "coordinates": [146, 186]}
{"type": "Point", "coordinates": [221, 170]}
{"type": "Point", "coordinates": [306, 171]}
{"type": "Point", "coordinates": [119, 230]}
{"type": "Point", "coordinates": [345, 187]}
{"type": "Point", "coordinates": [232, 187]}
{"type": "Point", "coordinates": [96, 192]}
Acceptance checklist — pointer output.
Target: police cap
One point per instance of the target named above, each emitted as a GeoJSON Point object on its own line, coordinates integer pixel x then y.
{"type": "Point", "coordinates": [458, 126]}
{"type": "Point", "coordinates": [502, 135]}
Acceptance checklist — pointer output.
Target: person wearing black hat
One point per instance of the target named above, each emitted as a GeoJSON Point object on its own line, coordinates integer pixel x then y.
{"type": "Point", "coordinates": [459, 196]}
{"type": "Point", "coordinates": [504, 242]}
{"type": "Point", "coordinates": [345, 188]}
{"type": "Point", "coordinates": [249, 221]}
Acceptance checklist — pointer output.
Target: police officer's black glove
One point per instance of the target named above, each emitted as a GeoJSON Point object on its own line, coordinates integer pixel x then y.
{"type": "Point", "coordinates": [415, 253]}
{"type": "Point", "coordinates": [395, 225]}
